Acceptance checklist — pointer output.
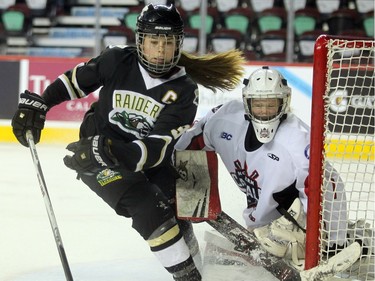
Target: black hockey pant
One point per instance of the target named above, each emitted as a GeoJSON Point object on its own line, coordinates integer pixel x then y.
{"type": "Point", "coordinates": [148, 199]}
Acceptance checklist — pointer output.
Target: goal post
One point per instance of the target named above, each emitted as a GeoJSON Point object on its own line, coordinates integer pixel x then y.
{"type": "Point", "coordinates": [342, 134]}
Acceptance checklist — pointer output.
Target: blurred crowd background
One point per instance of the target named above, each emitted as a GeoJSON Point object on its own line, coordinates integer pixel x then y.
{"type": "Point", "coordinates": [266, 30]}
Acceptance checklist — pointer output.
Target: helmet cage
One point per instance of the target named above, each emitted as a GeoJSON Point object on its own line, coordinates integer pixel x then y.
{"type": "Point", "coordinates": [265, 126]}
{"type": "Point", "coordinates": [264, 88]}
{"type": "Point", "coordinates": [163, 67]}
{"type": "Point", "coordinates": [283, 106]}
{"type": "Point", "coordinates": [165, 23]}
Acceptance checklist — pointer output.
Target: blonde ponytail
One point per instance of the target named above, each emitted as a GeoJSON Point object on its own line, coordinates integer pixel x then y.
{"type": "Point", "coordinates": [222, 71]}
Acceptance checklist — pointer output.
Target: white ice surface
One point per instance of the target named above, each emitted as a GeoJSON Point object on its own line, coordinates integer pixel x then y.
{"type": "Point", "coordinates": [99, 244]}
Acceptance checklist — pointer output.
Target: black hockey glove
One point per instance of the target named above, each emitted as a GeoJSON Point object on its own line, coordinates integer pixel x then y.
{"type": "Point", "coordinates": [91, 155]}
{"type": "Point", "coordinates": [31, 115]}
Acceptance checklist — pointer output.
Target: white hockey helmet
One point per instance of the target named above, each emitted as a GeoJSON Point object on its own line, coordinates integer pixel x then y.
{"type": "Point", "coordinates": [266, 97]}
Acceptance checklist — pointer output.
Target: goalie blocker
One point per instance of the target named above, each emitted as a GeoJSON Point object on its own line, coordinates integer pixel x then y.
{"type": "Point", "coordinates": [197, 195]}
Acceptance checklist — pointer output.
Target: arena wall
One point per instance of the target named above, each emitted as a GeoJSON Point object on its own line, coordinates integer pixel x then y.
{"type": "Point", "coordinates": [35, 74]}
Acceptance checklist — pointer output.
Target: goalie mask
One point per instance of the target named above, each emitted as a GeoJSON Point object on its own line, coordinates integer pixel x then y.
{"type": "Point", "coordinates": [159, 37]}
{"type": "Point", "coordinates": [266, 98]}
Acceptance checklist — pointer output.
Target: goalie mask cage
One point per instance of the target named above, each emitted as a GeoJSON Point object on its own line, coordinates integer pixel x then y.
{"type": "Point", "coordinates": [342, 134]}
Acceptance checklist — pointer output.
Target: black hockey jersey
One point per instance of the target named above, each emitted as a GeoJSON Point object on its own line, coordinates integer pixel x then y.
{"type": "Point", "coordinates": [144, 116]}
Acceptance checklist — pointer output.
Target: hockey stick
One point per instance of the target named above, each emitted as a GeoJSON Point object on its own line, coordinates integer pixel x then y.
{"type": "Point", "coordinates": [246, 243]}
{"type": "Point", "coordinates": [48, 204]}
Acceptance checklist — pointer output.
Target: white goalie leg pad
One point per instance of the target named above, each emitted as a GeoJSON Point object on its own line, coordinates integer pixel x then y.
{"type": "Point", "coordinates": [283, 238]}
{"type": "Point", "coordinates": [197, 191]}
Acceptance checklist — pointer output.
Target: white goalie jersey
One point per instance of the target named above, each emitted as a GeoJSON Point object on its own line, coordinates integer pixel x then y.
{"type": "Point", "coordinates": [270, 174]}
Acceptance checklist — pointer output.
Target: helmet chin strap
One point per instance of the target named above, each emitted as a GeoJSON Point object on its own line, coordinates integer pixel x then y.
{"type": "Point", "coordinates": [283, 117]}
{"type": "Point", "coordinates": [251, 141]}
{"type": "Point", "coordinates": [162, 75]}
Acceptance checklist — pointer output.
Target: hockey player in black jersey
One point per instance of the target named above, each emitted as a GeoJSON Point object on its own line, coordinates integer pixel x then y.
{"type": "Point", "coordinates": [148, 98]}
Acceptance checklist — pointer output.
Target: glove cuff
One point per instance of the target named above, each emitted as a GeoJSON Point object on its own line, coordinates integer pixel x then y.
{"type": "Point", "coordinates": [101, 149]}
{"type": "Point", "coordinates": [32, 101]}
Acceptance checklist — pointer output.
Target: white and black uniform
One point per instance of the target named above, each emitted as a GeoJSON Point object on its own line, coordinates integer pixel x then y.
{"type": "Point", "coordinates": [271, 174]}
{"type": "Point", "coordinates": [143, 116]}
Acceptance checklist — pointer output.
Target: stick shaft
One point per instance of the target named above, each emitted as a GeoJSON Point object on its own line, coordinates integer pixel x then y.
{"type": "Point", "coordinates": [48, 204]}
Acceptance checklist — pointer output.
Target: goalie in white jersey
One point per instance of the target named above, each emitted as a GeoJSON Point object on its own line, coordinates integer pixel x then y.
{"type": "Point", "coordinates": [265, 148]}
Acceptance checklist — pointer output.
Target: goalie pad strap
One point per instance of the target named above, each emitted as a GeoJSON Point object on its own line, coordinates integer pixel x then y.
{"type": "Point", "coordinates": [291, 219]}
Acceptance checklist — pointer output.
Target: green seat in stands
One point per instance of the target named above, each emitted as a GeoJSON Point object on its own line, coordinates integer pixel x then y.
{"type": "Point", "coordinates": [237, 22]}
{"type": "Point", "coordinates": [368, 24]}
{"type": "Point", "coordinates": [271, 19]}
{"type": "Point", "coordinates": [13, 21]}
{"type": "Point", "coordinates": [130, 18]}
{"type": "Point", "coordinates": [238, 19]}
{"type": "Point", "coordinates": [303, 24]}
{"type": "Point", "coordinates": [16, 19]}
{"type": "Point", "coordinates": [306, 19]}
{"type": "Point", "coordinates": [195, 22]}
{"type": "Point", "coordinates": [267, 23]}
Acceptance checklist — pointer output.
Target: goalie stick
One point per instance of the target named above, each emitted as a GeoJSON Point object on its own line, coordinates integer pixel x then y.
{"type": "Point", "coordinates": [48, 204]}
{"type": "Point", "coordinates": [245, 242]}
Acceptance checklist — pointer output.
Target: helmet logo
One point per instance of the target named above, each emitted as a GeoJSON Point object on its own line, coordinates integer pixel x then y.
{"type": "Point", "coordinates": [163, 28]}
{"type": "Point", "coordinates": [264, 133]}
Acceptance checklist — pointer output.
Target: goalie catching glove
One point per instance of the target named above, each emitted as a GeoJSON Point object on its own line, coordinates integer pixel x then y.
{"type": "Point", "coordinates": [91, 155]}
{"type": "Point", "coordinates": [31, 115]}
{"type": "Point", "coordinates": [285, 237]}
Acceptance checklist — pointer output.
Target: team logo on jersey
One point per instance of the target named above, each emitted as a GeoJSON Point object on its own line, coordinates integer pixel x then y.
{"type": "Point", "coordinates": [273, 156]}
{"type": "Point", "coordinates": [132, 122]}
{"type": "Point", "coordinates": [107, 176]}
{"type": "Point", "coordinates": [135, 113]}
{"type": "Point", "coordinates": [247, 183]}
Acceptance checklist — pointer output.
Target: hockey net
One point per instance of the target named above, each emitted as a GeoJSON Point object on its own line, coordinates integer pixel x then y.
{"type": "Point", "coordinates": [342, 133]}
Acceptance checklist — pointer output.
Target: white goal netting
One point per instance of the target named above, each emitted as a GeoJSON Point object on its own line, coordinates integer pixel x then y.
{"type": "Point", "coordinates": [348, 145]}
